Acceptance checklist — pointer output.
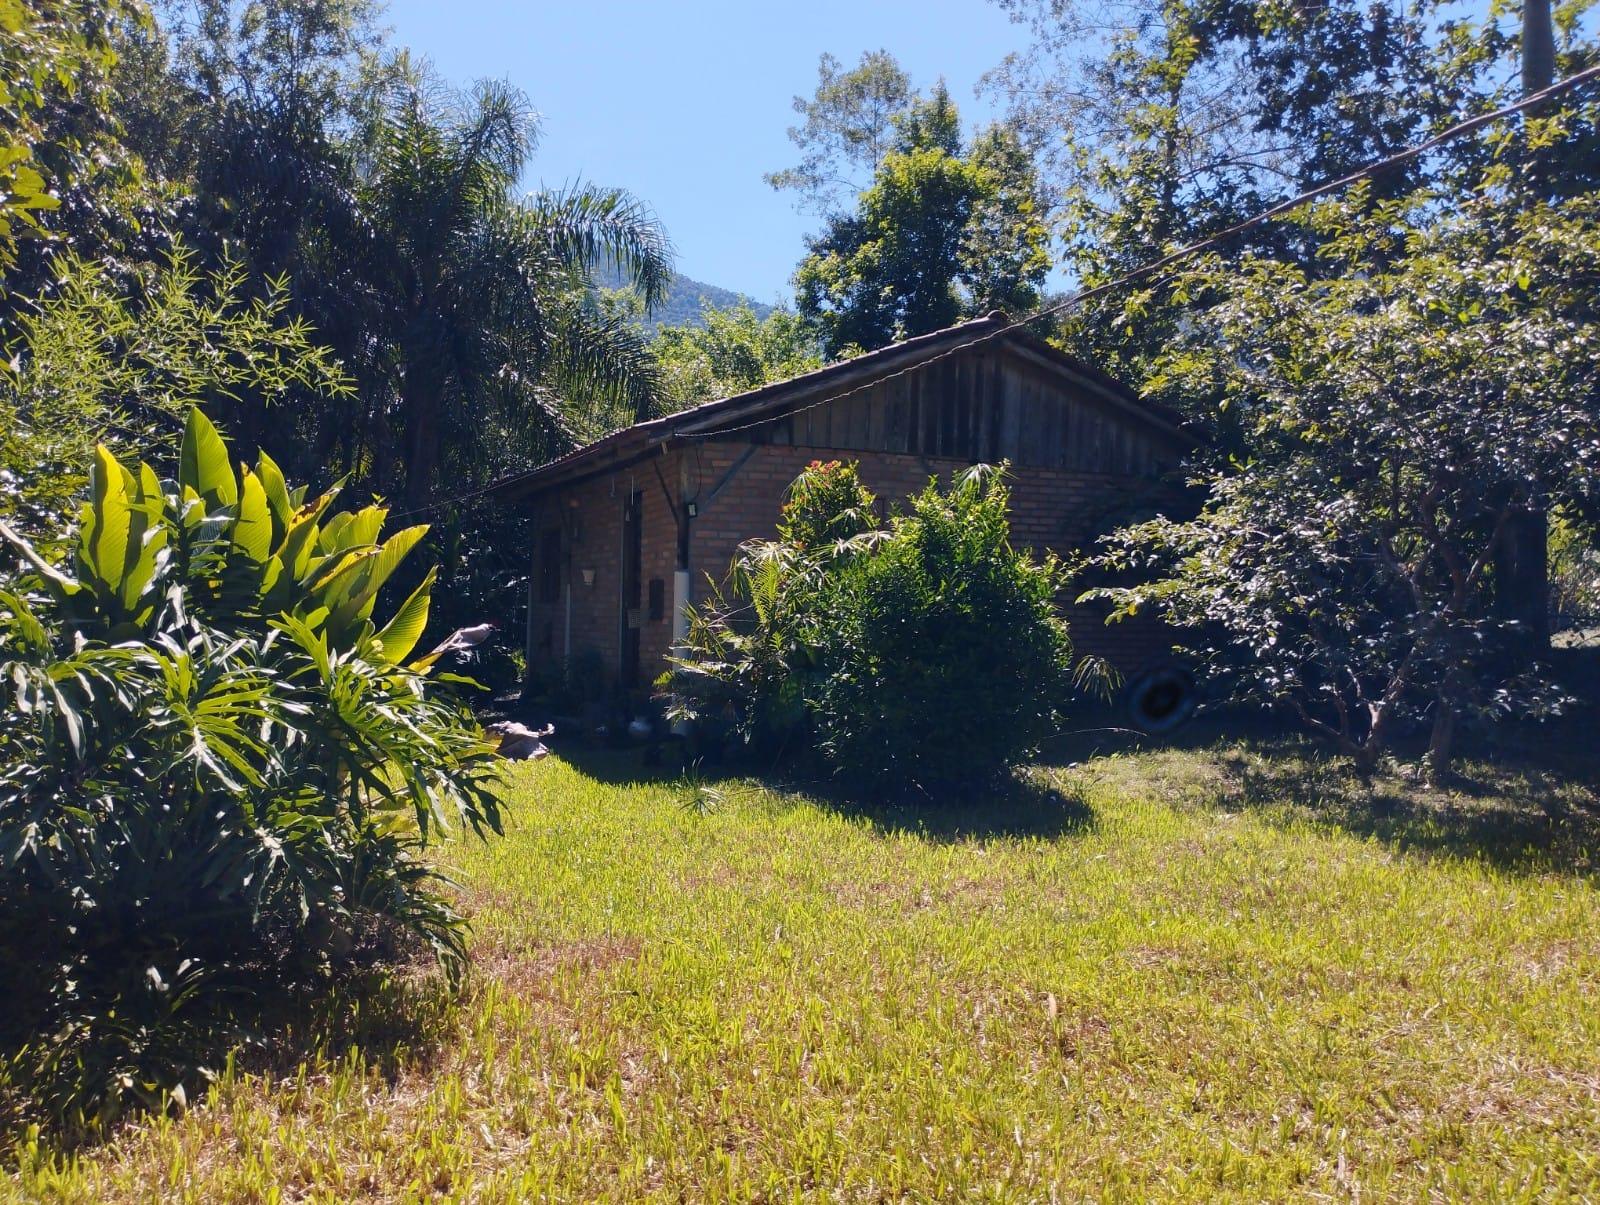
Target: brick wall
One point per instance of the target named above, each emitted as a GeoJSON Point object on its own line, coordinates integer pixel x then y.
{"type": "Point", "coordinates": [590, 516]}
{"type": "Point", "coordinates": [1050, 509]}
{"type": "Point", "coordinates": [738, 497]}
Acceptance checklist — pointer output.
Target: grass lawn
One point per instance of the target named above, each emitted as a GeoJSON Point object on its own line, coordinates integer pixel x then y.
{"type": "Point", "coordinates": [1200, 974]}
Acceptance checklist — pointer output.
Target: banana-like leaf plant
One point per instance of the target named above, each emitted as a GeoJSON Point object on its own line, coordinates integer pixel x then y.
{"type": "Point", "coordinates": [218, 767]}
{"type": "Point", "coordinates": [244, 546]}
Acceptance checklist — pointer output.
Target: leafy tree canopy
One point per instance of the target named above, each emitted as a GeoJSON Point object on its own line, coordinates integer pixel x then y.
{"type": "Point", "coordinates": [945, 230]}
{"type": "Point", "coordinates": [57, 124]}
{"type": "Point", "coordinates": [848, 128]}
{"type": "Point", "coordinates": [1401, 409]}
{"type": "Point", "coordinates": [732, 350]}
{"type": "Point", "coordinates": [480, 298]}
{"type": "Point", "coordinates": [1176, 119]}
{"type": "Point", "coordinates": [98, 364]}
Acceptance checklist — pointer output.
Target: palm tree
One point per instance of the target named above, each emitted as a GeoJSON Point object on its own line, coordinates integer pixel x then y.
{"type": "Point", "coordinates": [490, 334]}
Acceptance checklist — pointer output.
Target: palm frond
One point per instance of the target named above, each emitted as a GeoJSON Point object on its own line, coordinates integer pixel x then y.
{"type": "Point", "coordinates": [495, 135]}
{"type": "Point", "coordinates": [589, 227]}
{"type": "Point", "coordinates": [605, 356]}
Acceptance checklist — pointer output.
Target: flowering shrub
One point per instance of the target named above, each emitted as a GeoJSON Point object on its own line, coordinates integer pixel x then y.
{"type": "Point", "coordinates": [827, 503]}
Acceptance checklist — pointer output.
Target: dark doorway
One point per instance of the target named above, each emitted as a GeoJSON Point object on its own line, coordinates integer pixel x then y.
{"type": "Point", "coordinates": [632, 587]}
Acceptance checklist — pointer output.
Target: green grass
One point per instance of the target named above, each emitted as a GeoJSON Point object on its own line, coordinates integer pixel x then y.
{"type": "Point", "coordinates": [1200, 975]}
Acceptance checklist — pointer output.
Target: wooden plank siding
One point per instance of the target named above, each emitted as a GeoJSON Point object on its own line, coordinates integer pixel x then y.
{"type": "Point", "coordinates": [988, 405]}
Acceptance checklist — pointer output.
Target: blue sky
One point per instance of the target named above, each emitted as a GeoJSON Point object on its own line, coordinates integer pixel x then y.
{"type": "Point", "coordinates": [687, 104]}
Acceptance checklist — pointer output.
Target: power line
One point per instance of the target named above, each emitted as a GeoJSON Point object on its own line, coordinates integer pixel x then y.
{"type": "Point", "coordinates": [1172, 257]}
{"type": "Point", "coordinates": [1466, 126]}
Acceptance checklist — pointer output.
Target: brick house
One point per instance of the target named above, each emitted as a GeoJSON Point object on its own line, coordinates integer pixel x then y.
{"type": "Point", "coordinates": [630, 527]}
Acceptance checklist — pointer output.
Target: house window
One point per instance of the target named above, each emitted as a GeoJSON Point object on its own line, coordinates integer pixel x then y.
{"type": "Point", "coordinates": [550, 566]}
{"type": "Point", "coordinates": [658, 600]}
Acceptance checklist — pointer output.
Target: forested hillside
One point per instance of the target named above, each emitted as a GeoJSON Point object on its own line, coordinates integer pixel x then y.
{"type": "Point", "coordinates": [685, 301]}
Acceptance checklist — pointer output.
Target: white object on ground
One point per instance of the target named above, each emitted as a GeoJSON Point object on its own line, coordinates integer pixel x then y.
{"type": "Point", "coordinates": [520, 742]}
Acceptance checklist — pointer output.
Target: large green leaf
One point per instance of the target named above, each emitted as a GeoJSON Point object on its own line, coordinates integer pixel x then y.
{"type": "Point", "coordinates": [300, 541]}
{"type": "Point", "coordinates": [147, 536]}
{"type": "Point", "coordinates": [352, 529]}
{"type": "Point", "coordinates": [375, 571]}
{"type": "Point", "coordinates": [337, 577]}
{"type": "Point", "coordinates": [400, 635]}
{"type": "Point", "coordinates": [278, 496]}
{"type": "Point", "coordinates": [252, 530]}
{"type": "Point", "coordinates": [103, 539]}
{"type": "Point", "coordinates": [203, 463]}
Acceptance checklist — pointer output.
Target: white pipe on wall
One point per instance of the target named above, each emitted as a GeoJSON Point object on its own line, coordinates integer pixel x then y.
{"type": "Point", "coordinates": [681, 602]}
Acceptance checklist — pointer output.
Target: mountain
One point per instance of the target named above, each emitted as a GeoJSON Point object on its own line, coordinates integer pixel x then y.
{"type": "Point", "coordinates": [682, 304]}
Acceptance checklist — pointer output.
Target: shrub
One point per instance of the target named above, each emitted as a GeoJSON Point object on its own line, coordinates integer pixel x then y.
{"type": "Point", "coordinates": [930, 654]}
{"type": "Point", "coordinates": [827, 503]}
{"type": "Point", "coordinates": [944, 658]}
{"type": "Point", "coordinates": [746, 650]}
{"type": "Point", "coordinates": [218, 774]}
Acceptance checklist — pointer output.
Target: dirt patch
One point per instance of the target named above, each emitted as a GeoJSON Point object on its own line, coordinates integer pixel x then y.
{"type": "Point", "coordinates": [717, 878]}
{"type": "Point", "coordinates": [1148, 957]}
{"type": "Point", "coordinates": [1080, 1035]}
{"type": "Point", "coordinates": [1553, 1098]}
{"type": "Point", "coordinates": [531, 972]}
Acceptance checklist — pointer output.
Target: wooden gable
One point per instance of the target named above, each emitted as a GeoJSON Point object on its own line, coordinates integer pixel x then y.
{"type": "Point", "coordinates": [999, 402]}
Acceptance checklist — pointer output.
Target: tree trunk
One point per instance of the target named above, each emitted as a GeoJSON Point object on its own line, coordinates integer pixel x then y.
{"type": "Point", "coordinates": [1442, 740]}
{"type": "Point", "coordinates": [1364, 754]}
{"type": "Point", "coordinates": [422, 440]}
{"type": "Point", "coordinates": [1538, 47]}
{"type": "Point", "coordinates": [1522, 579]}
{"type": "Point", "coordinates": [1365, 750]}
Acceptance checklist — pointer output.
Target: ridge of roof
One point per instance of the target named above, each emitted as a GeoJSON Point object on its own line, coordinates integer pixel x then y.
{"type": "Point", "coordinates": [905, 347]}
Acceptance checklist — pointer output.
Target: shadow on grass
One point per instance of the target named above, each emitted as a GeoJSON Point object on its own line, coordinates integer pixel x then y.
{"type": "Point", "coordinates": [635, 765]}
{"type": "Point", "coordinates": [1516, 814]}
{"type": "Point", "coordinates": [1527, 800]}
{"type": "Point", "coordinates": [391, 1015]}
{"type": "Point", "coordinates": [1028, 805]}
{"type": "Point", "coordinates": [1104, 731]}
{"type": "Point", "coordinates": [1525, 797]}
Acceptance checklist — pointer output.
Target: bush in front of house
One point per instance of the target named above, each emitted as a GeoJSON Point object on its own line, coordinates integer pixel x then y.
{"type": "Point", "coordinates": [827, 506]}
{"type": "Point", "coordinates": [925, 655]}
{"type": "Point", "coordinates": [945, 659]}
{"type": "Point", "coordinates": [219, 772]}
